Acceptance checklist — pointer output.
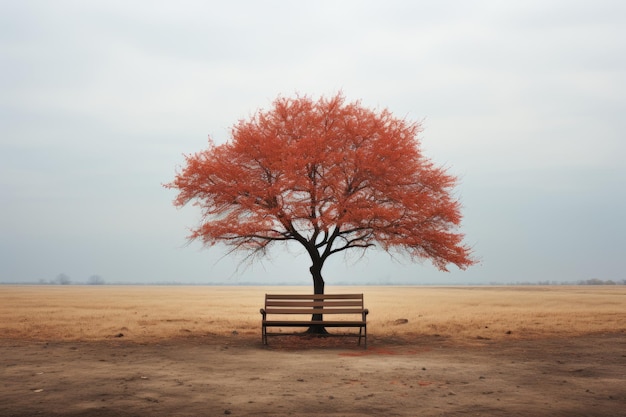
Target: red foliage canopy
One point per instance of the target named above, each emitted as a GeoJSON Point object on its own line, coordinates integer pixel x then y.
{"type": "Point", "coordinates": [330, 175]}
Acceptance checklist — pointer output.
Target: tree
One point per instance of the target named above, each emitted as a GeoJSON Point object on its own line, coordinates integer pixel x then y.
{"type": "Point", "coordinates": [95, 280]}
{"type": "Point", "coordinates": [63, 279]}
{"type": "Point", "coordinates": [331, 176]}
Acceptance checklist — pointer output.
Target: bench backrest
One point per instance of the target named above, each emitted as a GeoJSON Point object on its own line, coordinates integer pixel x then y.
{"type": "Point", "coordinates": [314, 303]}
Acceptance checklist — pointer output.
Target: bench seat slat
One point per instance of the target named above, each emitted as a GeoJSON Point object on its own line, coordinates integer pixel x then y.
{"type": "Point", "coordinates": [340, 303]}
{"type": "Point", "coordinates": [314, 311]}
{"type": "Point", "coordinates": [327, 323]}
{"type": "Point", "coordinates": [313, 296]}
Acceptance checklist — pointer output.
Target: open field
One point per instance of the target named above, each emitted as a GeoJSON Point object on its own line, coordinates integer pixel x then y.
{"type": "Point", "coordinates": [196, 351]}
{"type": "Point", "coordinates": [461, 314]}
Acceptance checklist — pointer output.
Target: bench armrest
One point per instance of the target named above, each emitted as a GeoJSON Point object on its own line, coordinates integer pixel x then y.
{"type": "Point", "coordinates": [262, 311]}
{"type": "Point", "coordinates": [365, 313]}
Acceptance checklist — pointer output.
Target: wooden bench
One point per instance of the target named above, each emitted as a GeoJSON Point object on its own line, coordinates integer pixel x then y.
{"type": "Point", "coordinates": [284, 307]}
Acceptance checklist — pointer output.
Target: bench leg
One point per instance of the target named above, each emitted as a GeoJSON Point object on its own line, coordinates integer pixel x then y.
{"type": "Point", "coordinates": [363, 333]}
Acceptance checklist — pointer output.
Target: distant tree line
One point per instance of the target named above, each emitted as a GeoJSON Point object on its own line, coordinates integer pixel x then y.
{"type": "Point", "coordinates": [64, 279]}
{"type": "Point", "coordinates": [593, 281]}
{"type": "Point", "coordinates": [596, 281]}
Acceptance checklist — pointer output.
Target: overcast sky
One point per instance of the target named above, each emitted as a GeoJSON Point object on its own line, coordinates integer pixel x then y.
{"type": "Point", "coordinates": [524, 101]}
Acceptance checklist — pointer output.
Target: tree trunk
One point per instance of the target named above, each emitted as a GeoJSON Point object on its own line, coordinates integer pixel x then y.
{"type": "Point", "coordinates": [318, 288]}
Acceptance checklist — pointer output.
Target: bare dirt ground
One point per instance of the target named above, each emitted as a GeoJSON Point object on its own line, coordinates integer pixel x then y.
{"type": "Point", "coordinates": [236, 375]}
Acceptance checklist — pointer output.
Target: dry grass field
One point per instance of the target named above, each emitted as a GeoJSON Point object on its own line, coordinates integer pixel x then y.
{"type": "Point", "coordinates": [460, 314]}
{"type": "Point", "coordinates": [107, 351]}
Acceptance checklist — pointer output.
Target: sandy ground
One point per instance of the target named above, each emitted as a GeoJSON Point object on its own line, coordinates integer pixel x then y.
{"type": "Point", "coordinates": [235, 375]}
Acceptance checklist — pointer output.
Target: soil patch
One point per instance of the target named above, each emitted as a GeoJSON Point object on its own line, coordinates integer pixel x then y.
{"type": "Point", "coordinates": [311, 376]}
